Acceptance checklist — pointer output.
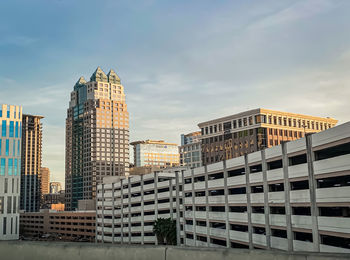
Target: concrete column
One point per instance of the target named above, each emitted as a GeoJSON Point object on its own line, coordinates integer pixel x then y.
{"type": "Point", "coordinates": [183, 207]}
{"type": "Point", "coordinates": [178, 215]}
{"type": "Point", "coordinates": [129, 209]}
{"type": "Point", "coordinates": [103, 213]}
{"type": "Point", "coordinates": [193, 210]}
{"type": "Point", "coordinates": [113, 213]}
{"type": "Point", "coordinates": [156, 200]}
{"type": "Point", "coordinates": [171, 204]}
{"type": "Point", "coordinates": [227, 208]}
{"type": "Point", "coordinates": [266, 200]}
{"type": "Point", "coordinates": [142, 213]}
{"type": "Point", "coordinates": [312, 189]}
{"type": "Point", "coordinates": [207, 208]}
{"type": "Point", "coordinates": [249, 207]}
{"type": "Point", "coordinates": [288, 208]}
{"type": "Point", "coordinates": [121, 213]}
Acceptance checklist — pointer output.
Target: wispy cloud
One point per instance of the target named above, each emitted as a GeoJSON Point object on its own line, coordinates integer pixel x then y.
{"type": "Point", "coordinates": [17, 40]}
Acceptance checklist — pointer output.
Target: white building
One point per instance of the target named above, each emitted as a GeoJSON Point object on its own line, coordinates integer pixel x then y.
{"type": "Point", "coordinates": [10, 170]}
{"type": "Point", "coordinates": [292, 197]}
{"type": "Point", "coordinates": [128, 207]}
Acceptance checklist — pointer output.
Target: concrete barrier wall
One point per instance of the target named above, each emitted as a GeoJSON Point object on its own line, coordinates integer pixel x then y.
{"type": "Point", "coordinates": [24, 250]}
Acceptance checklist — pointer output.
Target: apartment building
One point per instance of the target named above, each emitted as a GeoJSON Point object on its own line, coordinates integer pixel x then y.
{"type": "Point", "coordinates": [293, 197]}
{"type": "Point", "coordinates": [10, 161]}
{"type": "Point", "coordinates": [31, 163]}
{"type": "Point", "coordinates": [250, 131]}
{"type": "Point", "coordinates": [190, 150]}
{"type": "Point", "coordinates": [45, 180]}
{"type": "Point", "coordinates": [60, 225]}
{"type": "Point", "coordinates": [155, 153]}
{"type": "Point", "coordinates": [128, 207]}
{"type": "Point", "coordinates": [97, 135]}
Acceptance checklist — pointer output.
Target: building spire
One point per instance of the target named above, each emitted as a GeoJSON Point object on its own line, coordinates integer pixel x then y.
{"type": "Point", "coordinates": [98, 75]}
{"type": "Point", "coordinates": [113, 77]}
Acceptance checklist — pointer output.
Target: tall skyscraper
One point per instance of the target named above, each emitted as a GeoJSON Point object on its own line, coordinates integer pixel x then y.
{"type": "Point", "coordinates": [45, 180]}
{"type": "Point", "coordinates": [97, 135]}
{"type": "Point", "coordinates": [10, 160]}
{"type": "Point", "coordinates": [155, 153]}
{"type": "Point", "coordinates": [233, 136]}
{"type": "Point", "coordinates": [31, 163]}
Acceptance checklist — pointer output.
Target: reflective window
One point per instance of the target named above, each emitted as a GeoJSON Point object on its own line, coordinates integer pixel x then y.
{"type": "Point", "coordinates": [3, 128]}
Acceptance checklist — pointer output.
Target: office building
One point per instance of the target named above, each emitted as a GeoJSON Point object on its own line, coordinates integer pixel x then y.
{"type": "Point", "coordinates": [250, 131]}
{"type": "Point", "coordinates": [128, 207]}
{"type": "Point", "coordinates": [155, 153]}
{"type": "Point", "coordinates": [53, 199]}
{"type": "Point", "coordinates": [78, 226]}
{"type": "Point", "coordinates": [55, 187]}
{"type": "Point", "coordinates": [97, 135]}
{"type": "Point", "coordinates": [45, 180]}
{"type": "Point", "coordinates": [31, 163]}
{"type": "Point", "coordinates": [190, 150]}
{"type": "Point", "coordinates": [10, 160]}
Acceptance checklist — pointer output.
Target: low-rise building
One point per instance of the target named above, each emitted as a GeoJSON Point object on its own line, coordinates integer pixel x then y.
{"type": "Point", "coordinates": [155, 153]}
{"type": "Point", "coordinates": [59, 225]}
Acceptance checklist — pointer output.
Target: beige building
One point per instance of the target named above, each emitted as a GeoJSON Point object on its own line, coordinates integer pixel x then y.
{"type": "Point", "coordinates": [31, 163]}
{"type": "Point", "coordinates": [155, 153]}
{"type": "Point", "coordinates": [97, 135]}
{"type": "Point", "coordinates": [55, 187]}
{"type": "Point", "coordinates": [233, 136]}
{"type": "Point", "coordinates": [59, 225]}
{"type": "Point", "coordinates": [45, 180]}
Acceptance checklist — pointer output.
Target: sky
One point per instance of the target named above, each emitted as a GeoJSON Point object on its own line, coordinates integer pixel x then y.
{"type": "Point", "coordinates": [181, 62]}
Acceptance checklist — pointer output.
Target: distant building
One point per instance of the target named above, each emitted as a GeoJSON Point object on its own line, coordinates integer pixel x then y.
{"type": "Point", "coordinates": [76, 226]}
{"type": "Point", "coordinates": [155, 153]}
{"type": "Point", "coordinates": [190, 150]}
{"type": "Point", "coordinates": [233, 136]}
{"type": "Point", "coordinates": [10, 159]}
{"type": "Point", "coordinates": [55, 187]}
{"type": "Point", "coordinates": [45, 180]}
{"type": "Point", "coordinates": [97, 135]}
{"type": "Point", "coordinates": [31, 163]}
{"type": "Point", "coordinates": [53, 198]}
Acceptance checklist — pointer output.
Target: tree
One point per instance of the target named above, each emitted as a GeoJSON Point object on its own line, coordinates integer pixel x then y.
{"type": "Point", "coordinates": [165, 230]}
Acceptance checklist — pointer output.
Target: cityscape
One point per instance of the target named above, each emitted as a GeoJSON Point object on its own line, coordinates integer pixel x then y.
{"type": "Point", "coordinates": [110, 164]}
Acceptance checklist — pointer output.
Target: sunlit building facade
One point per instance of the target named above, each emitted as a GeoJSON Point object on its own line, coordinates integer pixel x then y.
{"type": "Point", "coordinates": [10, 164]}
{"type": "Point", "coordinates": [97, 135]}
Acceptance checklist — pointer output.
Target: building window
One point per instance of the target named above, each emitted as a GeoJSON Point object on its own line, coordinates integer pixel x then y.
{"type": "Point", "coordinates": [3, 128]}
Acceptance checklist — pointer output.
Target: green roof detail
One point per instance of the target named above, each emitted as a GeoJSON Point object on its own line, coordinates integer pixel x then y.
{"type": "Point", "coordinates": [79, 83]}
{"type": "Point", "coordinates": [113, 77]}
{"type": "Point", "coordinates": [98, 75]}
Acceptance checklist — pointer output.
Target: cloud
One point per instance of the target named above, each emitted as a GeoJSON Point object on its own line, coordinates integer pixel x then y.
{"type": "Point", "coordinates": [17, 40]}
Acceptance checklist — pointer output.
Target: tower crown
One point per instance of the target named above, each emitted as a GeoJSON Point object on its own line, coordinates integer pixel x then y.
{"type": "Point", "coordinates": [113, 77]}
{"type": "Point", "coordinates": [99, 75]}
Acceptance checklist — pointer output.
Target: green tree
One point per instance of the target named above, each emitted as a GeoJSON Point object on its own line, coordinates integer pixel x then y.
{"type": "Point", "coordinates": [165, 230]}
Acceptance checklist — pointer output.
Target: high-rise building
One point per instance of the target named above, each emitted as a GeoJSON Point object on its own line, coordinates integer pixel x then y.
{"type": "Point", "coordinates": [45, 180]}
{"type": "Point", "coordinates": [190, 150]}
{"type": "Point", "coordinates": [155, 153]}
{"type": "Point", "coordinates": [31, 163]}
{"type": "Point", "coordinates": [97, 135]}
{"type": "Point", "coordinates": [233, 136]}
{"type": "Point", "coordinates": [10, 160]}
{"type": "Point", "coordinates": [55, 187]}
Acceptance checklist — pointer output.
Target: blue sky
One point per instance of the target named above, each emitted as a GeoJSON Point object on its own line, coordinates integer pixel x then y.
{"type": "Point", "coordinates": [181, 62]}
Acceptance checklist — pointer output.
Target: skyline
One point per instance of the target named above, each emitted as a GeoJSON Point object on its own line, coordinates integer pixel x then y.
{"type": "Point", "coordinates": [264, 58]}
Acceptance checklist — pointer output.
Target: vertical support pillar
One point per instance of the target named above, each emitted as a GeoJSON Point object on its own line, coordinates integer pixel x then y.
{"type": "Point", "coordinates": [312, 188]}
{"type": "Point", "coordinates": [183, 207]}
{"type": "Point", "coordinates": [103, 213]}
{"type": "Point", "coordinates": [129, 209]}
{"type": "Point", "coordinates": [121, 212]}
{"type": "Point", "coordinates": [178, 215]}
{"type": "Point", "coordinates": [112, 212]}
{"type": "Point", "coordinates": [266, 200]}
{"type": "Point", "coordinates": [249, 207]}
{"type": "Point", "coordinates": [142, 213]}
{"type": "Point", "coordinates": [227, 208]}
{"type": "Point", "coordinates": [207, 208]}
{"type": "Point", "coordinates": [288, 208]}
{"type": "Point", "coordinates": [193, 210]}
{"type": "Point", "coordinates": [156, 200]}
{"type": "Point", "coordinates": [171, 203]}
